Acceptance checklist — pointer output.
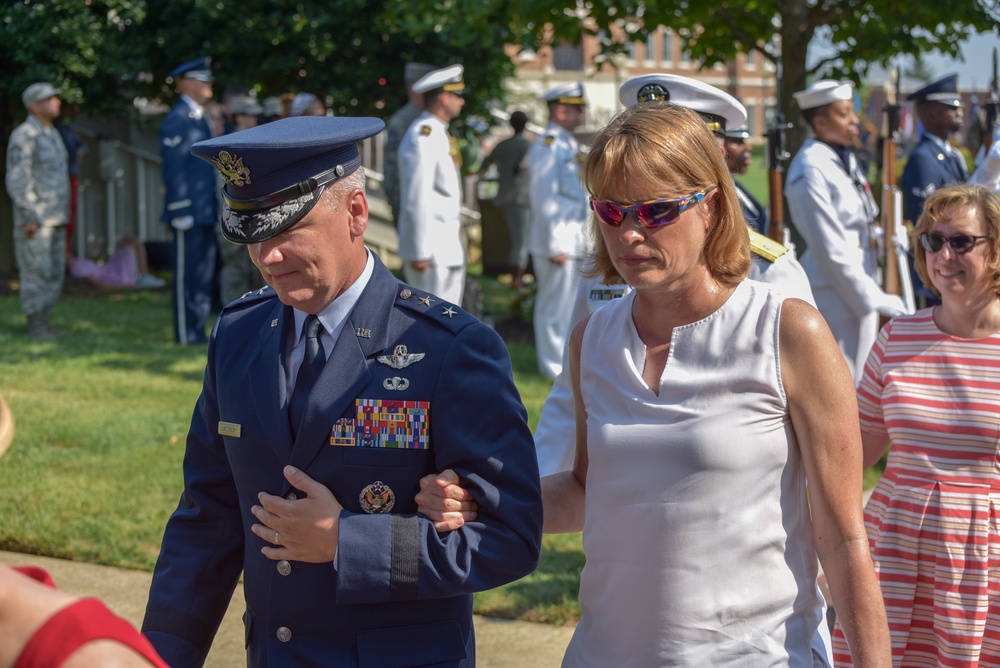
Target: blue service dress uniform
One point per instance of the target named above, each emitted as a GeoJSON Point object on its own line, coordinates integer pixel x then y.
{"type": "Point", "coordinates": [930, 166]}
{"type": "Point", "coordinates": [191, 190]}
{"type": "Point", "coordinates": [398, 594]}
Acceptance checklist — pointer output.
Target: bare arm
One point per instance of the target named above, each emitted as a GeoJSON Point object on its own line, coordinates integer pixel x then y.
{"type": "Point", "coordinates": [824, 415]}
{"type": "Point", "coordinates": [563, 493]}
{"type": "Point", "coordinates": [874, 446]}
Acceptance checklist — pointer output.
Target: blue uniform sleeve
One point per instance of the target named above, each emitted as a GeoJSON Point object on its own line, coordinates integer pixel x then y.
{"type": "Point", "coordinates": [176, 138]}
{"type": "Point", "coordinates": [202, 551]}
{"type": "Point", "coordinates": [479, 429]}
{"type": "Point", "coordinates": [920, 178]}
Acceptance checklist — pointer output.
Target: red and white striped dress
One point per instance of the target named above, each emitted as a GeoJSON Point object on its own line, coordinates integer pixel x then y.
{"type": "Point", "coordinates": [932, 519]}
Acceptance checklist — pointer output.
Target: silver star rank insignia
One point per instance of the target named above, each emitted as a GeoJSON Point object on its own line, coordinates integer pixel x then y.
{"type": "Point", "coordinates": [426, 301]}
{"type": "Point", "coordinates": [449, 312]}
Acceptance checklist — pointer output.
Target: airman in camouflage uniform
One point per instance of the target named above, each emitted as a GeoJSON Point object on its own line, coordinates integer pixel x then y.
{"type": "Point", "coordinates": [38, 184]}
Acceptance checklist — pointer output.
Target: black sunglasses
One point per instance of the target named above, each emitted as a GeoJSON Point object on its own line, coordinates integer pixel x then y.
{"type": "Point", "coordinates": [960, 243]}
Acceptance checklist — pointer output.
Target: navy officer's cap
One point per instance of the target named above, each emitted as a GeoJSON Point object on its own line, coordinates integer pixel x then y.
{"type": "Point", "coordinates": [199, 68]}
{"type": "Point", "coordinates": [943, 90]}
{"type": "Point", "coordinates": [275, 173]}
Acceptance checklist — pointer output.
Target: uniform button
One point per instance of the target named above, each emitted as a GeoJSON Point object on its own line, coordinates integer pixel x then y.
{"type": "Point", "coordinates": [284, 633]}
{"type": "Point", "coordinates": [284, 567]}
{"type": "Point", "coordinates": [291, 496]}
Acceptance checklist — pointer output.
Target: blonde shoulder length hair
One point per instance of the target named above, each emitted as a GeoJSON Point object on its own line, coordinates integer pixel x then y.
{"type": "Point", "coordinates": [665, 143]}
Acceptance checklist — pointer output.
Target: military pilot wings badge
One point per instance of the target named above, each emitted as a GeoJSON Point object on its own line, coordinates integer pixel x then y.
{"type": "Point", "coordinates": [400, 358]}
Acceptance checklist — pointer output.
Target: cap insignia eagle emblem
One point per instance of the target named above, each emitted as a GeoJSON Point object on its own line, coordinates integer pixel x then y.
{"type": "Point", "coordinates": [232, 169]}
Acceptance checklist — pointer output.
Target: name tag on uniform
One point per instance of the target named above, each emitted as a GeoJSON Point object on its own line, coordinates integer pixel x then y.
{"type": "Point", "coordinates": [385, 423]}
{"type": "Point", "coordinates": [230, 429]}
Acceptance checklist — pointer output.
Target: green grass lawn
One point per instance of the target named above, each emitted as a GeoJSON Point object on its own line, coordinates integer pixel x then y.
{"type": "Point", "coordinates": [95, 468]}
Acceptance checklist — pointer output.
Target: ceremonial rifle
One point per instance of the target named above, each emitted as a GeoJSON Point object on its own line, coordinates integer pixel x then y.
{"type": "Point", "coordinates": [897, 265]}
{"type": "Point", "coordinates": [992, 106]}
{"type": "Point", "coordinates": [777, 155]}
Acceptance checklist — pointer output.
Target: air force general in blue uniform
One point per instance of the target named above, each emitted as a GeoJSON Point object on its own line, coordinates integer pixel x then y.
{"type": "Point", "coordinates": [190, 205]}
{"type": "Point", "coordinates": [311, 435]}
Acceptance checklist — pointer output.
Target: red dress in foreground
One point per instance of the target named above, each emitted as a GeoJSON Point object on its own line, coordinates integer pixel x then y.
{"type": "Point", "coordinates": [75, 625]}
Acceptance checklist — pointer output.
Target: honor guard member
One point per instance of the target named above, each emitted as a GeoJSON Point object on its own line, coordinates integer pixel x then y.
{"type": "Point", "coordinates": [396, 129]}
{"type": "Point", "coordinates": [933, 162]}
{"type": "Point", "coordinates": [832, 207]}
{"type": "Point", "coordinates": [430, 222]}
{"type": "Point", "coordinates": [38, 184]}
{"type": "Point", "coordinates": [738, 158]}
{"type": "Point", "coordinates": [557, 241]}
{"type": "Point", "coordinates": [327, 396]}
{"type": "Point", "coordinates": [772, 262]}
{"type": "Point", "coordinates": [190, 206]}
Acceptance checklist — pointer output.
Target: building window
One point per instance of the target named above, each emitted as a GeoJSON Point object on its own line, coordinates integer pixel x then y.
{"type": "Point", "coordinates": [632, 51]}
{"type": "Point", "coordinates": [650, 49]}
{"type": "Point", "coordinates": [685, 56]}
{"type": "Point", "coordinates": [752, 119]}
{"type": "Point", "coordinates": [751, 60]}
{"type": "Point", "coordinates": [667, 52]}
{"type": "Point", "coordinates": [567, 57]}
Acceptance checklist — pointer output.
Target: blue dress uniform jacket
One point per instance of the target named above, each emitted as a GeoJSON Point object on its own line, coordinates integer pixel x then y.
{"type": "Point", "coordinates": [400, 594]}
{"type": "Point", "coordinates": [190, 183]}
{"type": "Point", "coordinates": [754, 212]}
{"type": "Point", "coordinates": [927, 169]}
{"type": "Point", "coordinates": [191, 190]}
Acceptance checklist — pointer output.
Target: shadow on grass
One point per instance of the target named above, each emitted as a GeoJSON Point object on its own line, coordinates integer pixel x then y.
{"type": "Point", "coordinates": [120, 329]}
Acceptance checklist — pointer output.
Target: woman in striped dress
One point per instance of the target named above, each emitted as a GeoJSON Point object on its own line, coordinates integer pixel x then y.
{"type": "Point", "coordinates": [931, 386]}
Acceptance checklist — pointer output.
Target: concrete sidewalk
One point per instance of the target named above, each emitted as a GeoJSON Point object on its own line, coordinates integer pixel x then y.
{"type": "Point", "coordinates": [499, 643]}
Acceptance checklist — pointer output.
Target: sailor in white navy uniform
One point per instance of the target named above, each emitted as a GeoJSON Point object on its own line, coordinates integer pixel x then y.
{"type": "Point", "coordinates": [430, 217]}
{"type": "Point", "coordinates": [558, 239]}
{"type": "Point", "coordinates": [190, 204]}
{"type": "Point", "coordinates": [831, 205]}
{"type": "Point", "coordinates": [738, 158]}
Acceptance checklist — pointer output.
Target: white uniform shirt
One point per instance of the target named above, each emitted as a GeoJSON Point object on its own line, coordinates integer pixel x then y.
{"type": "Point", "coordinates": [430, 219]}
{"type": "Point", "coordinates": [833, 210]}
{"type": "Point", "coordinates": [558, 200]}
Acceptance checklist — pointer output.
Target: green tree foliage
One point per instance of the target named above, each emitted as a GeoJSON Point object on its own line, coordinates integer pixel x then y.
{"type": "Point", "coordinates": [860, 32]}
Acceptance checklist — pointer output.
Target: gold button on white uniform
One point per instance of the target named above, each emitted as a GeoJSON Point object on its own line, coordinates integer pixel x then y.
{"type": "Point", "coordinates": [284, 633]}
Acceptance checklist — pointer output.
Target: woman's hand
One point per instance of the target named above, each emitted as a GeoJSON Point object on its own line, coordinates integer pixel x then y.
{"type": "Point", "coordinates": [445, 502]}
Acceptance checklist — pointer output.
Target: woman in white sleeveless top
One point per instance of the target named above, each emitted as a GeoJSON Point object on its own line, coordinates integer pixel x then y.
{"type": "Point", "coordinates": [704, 403]}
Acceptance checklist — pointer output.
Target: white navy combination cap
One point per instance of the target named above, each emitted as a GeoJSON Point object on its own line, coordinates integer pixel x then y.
{"type": "Point", "coordinates": [738, 133]}
{"type": "Point", "coordinates": [275, 173]}
{"type": "Point", "coordinates": [448, 79]}
{"type": "Point", "coordinates": [245, 105]}
{"type": "Point", "coordinates": [199, 68]}
{"type": "Point", "coordinates": [719, 109]}
{"type": "Point", "coordinates": [37, 92]}
{"type": "Point", "coordinates": [823, 92]}
{"type": "Point", "coordinates": [566, 94]}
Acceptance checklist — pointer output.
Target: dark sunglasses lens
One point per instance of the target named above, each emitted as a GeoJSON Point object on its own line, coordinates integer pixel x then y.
{"type": "Point", "coordinates": [607, 212]}
{"type": "Point", "coordinates": [961, 242]}
{"type": "Point", "coordinates": [932, 243]}
{"type": "Point", "coordinates": [656, 214]}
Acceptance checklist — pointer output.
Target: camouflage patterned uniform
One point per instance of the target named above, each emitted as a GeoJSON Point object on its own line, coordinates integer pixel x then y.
{"type": "Point", "coordinates": [38, 183]}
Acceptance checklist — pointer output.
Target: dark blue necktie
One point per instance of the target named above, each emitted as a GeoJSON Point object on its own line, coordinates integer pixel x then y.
{"type": "Point", "coordinates": [312, 365]}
